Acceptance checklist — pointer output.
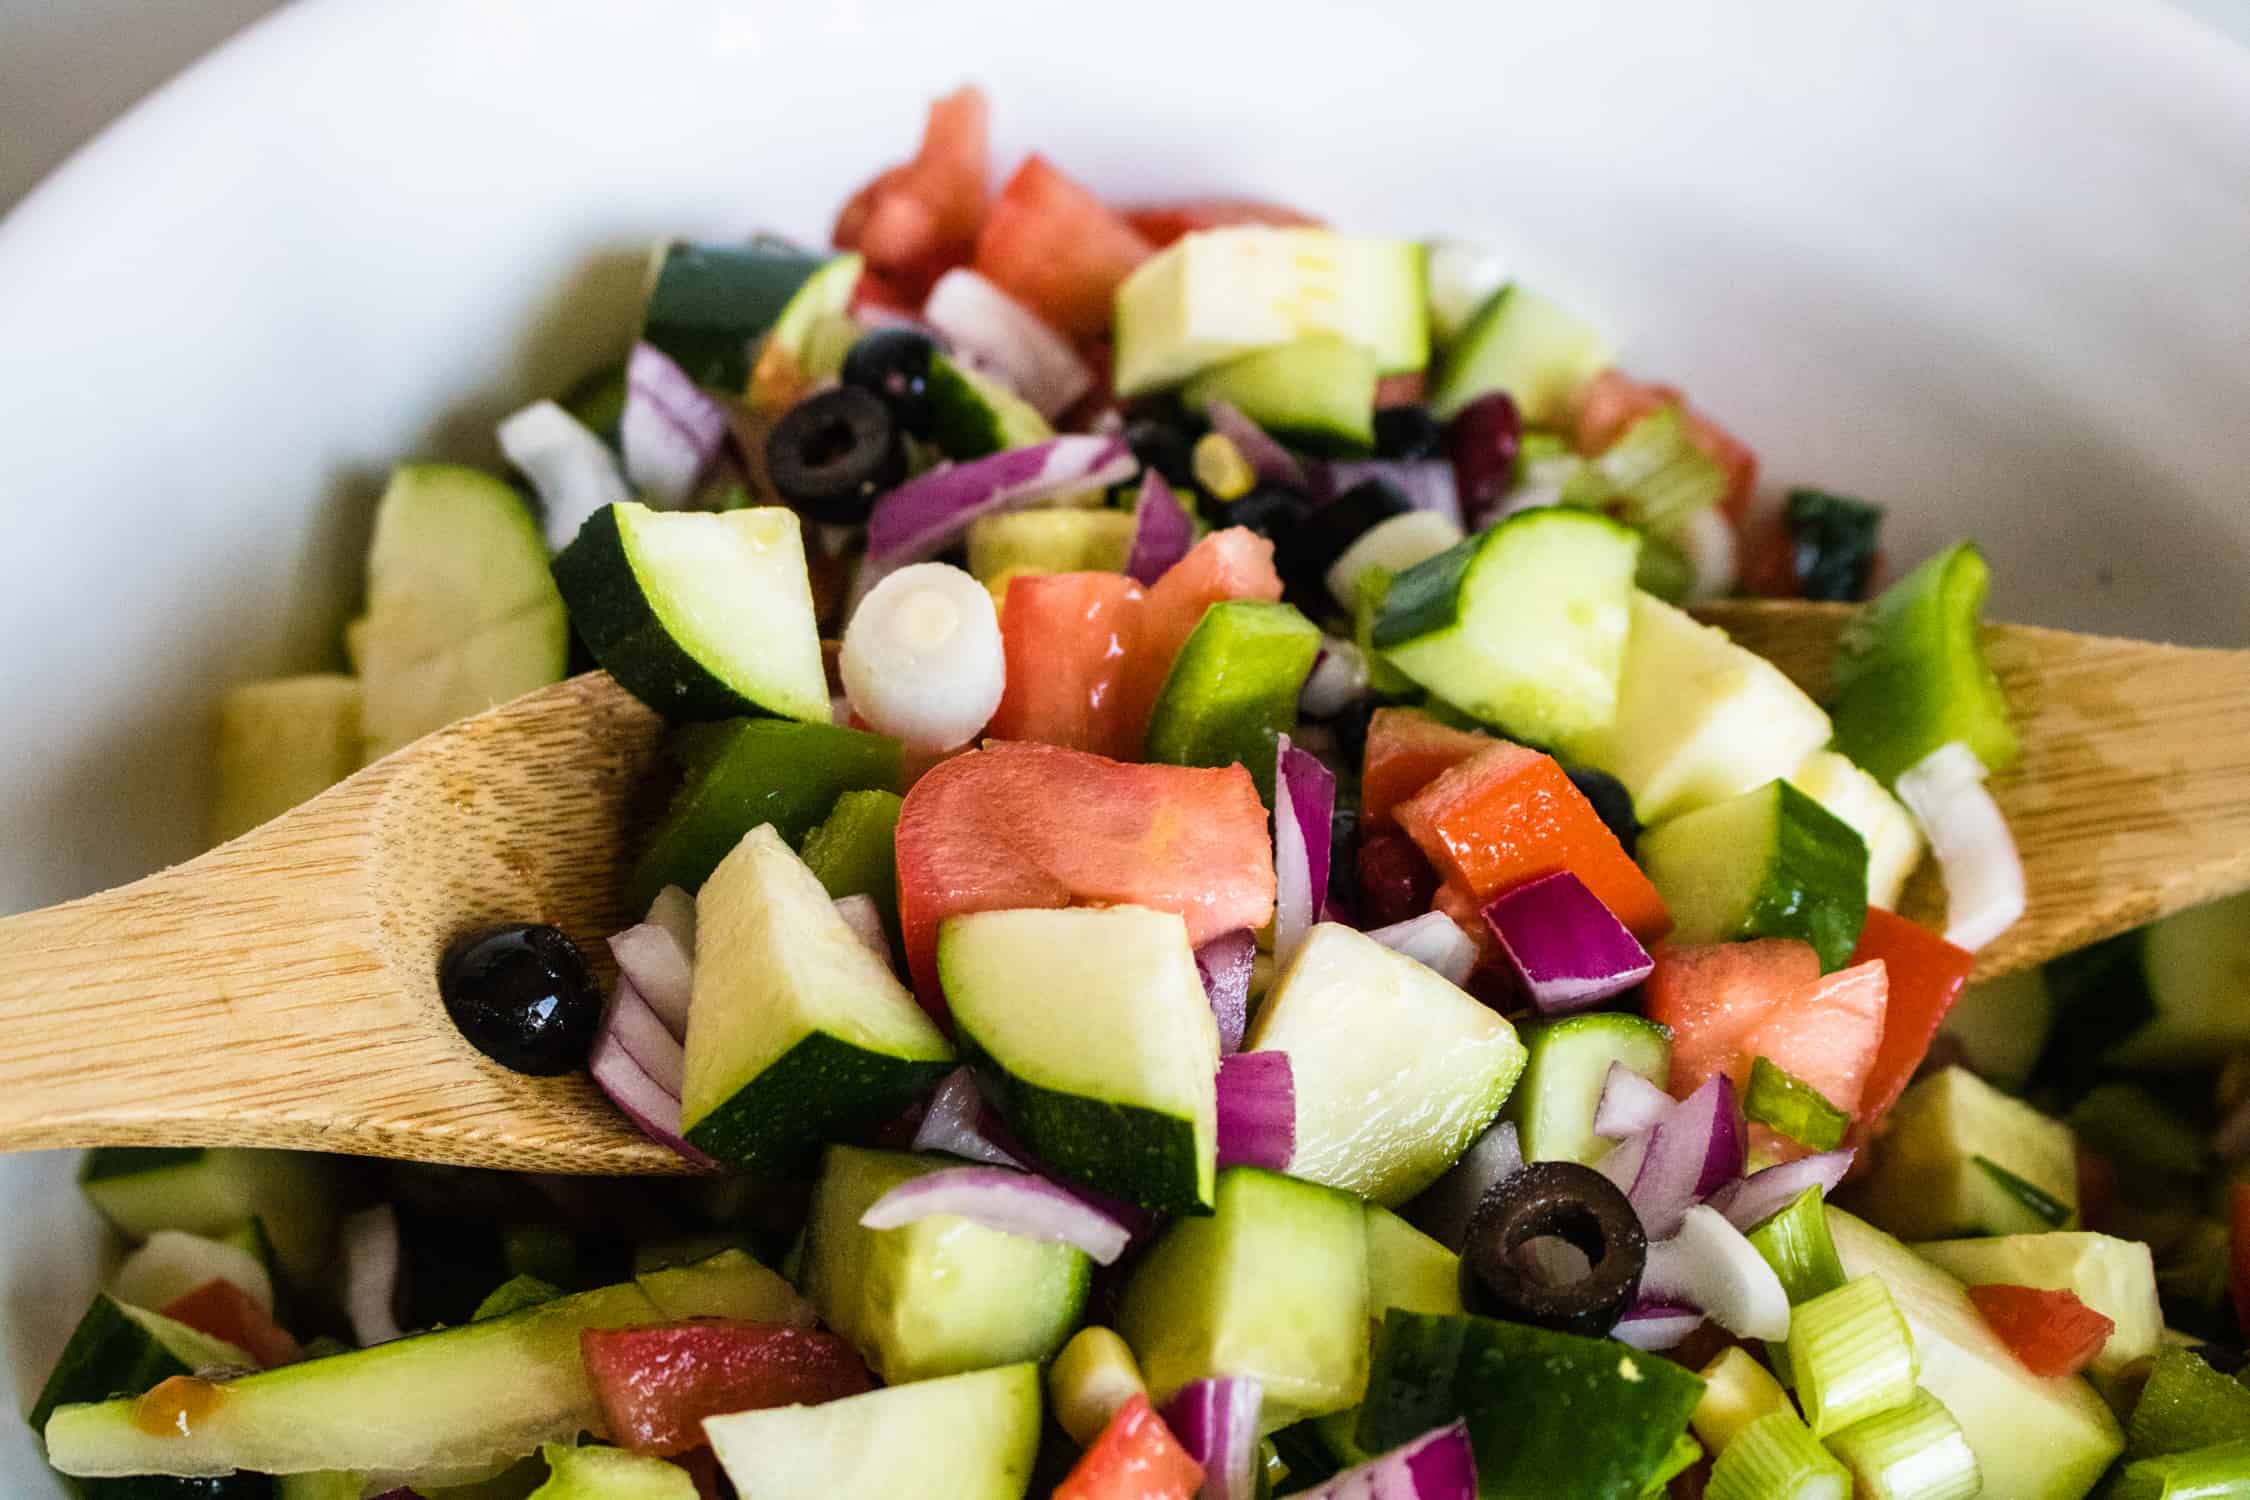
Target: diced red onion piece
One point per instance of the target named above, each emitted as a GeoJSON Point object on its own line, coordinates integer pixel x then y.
{"type": "Point", "coordinates": [1423, 483]}
{"type": "Point", "coordinates": [1761, 1195]}
{"type": "Point", "coordinates": [1337, 681]}
{"type": "Point", "coordinates": [1436, 1466]}
{"type": "Point", "coordinates": [671, 428]}
{"type": "Point", "coordinates": [1570, 950]}
{"type": "Point", "coordinates": [642, 1033]}
{"type": "Point", "coordinates": [953, 1123]}
{"type": "Point", "coordinates": [1162, 530]}
{"type": "Point", "coordinates": [1304, 810]}
{"type": "Point", "coordinates": [999, 336]}
{"type": "Point", "coordinates": [573, 470]}
{"type": "Point", "coordinates": [674, 911]}
{"type": "Point", "coordinates": [1257, 1110]}
{"type": "Point", "coordinates": [643, 1099]}
{"type": "Point", "coordinates": [1017, 1203]}
{"type": "Point", "coordinates": [1226, 963]}
{"type": "Point", "coordinates": [866, 922]}
{"type": "Point", "coordinates": [1709, 1265]}
{"type": "Point", "coordinates": [1696, 1148]}
{"type": "Point", "coordinates": [1656, 1325]}
{"type": "Point", "coordinates": [1433, 939]}
{"type": "Point", "coordinates": [1629, 1104]}
{"type": "Point", "coordinates": [1445, 1207]}
{"type": "Point", "coordinates": [1984, 884]}
{"type": "Point", "coordinates": [1216, 1421]}
{"type": "Point", "coordinates": [651, 957]}
{"type": "Point", "coordinates": [931, 511]}
{"type": "Point", "coordinates": [1267, 458]}
{"type": "Point", "coordinates": [374, 1260]}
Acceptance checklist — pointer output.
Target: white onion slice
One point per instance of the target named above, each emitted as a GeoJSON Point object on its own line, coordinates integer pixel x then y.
{"type": "Point", "coordinates": [1629, 1104]}
{"type": "Point", "coordinates": [573, 470]}
{"type": "Point", "coordinates": [862, 917]}
{"type": "Point", "coordinates": [374, 1259]}
{"type": "Point", "coordinates": [674, 911]}
{"type": "Point", "coordinates": [922, 659]}
{"type": "Point", "coordinates": [1435, 941]}
{"type": "Point", "coordinates": [1009, 1202]}
{"type": "Point", "coordinates": [1984, 884]}
{"type": "Point", "coordinates": [1337, 681]}
{"type": "Point", "coordinates": [999, 336]}
{"type": "Point", "coordinates": [650, 957]}
{"type": "Point", "coordinates": [1710, 1265]}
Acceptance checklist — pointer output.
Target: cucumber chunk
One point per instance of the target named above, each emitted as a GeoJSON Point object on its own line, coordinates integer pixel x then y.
{"type": "Point", "coordinates": [457, 1402]}
{"type": "Point", "coordinates": [2001, 1025]}
{"type": "Point", "coordinates": [797, 1032]}
{"type": "Point", "coordinates": [707, 304]}
{"type": "Point", "coordinates": [1894, 842]}
{"type": "Point", "coordinates": [1217, 295]}
{"type": "Point", "coordinates": [281, 743]}
{"type": "Point", "coordinates": [1272, 1285]}
{"type": "Point", "coordinates": [1232, 690]}
{"type": "Point", "coordinates": [940, 1295]}
{"type": "Point", "coordinates": [2189, 975]}
{"type": "Point", "coordinates": [2034, 1438]}
{"type": "Point", "coordinates": [1563, 1077]}
{"type": "Point", "coordinates": [1316, 393]}
{"type": "Point", "coordinates": [1407, 1269]}
{"type": "Point", "coordinates": [728, 1284]}
{"type": "Point", "coordinates": [970, 1437]}
{"type": "Point", "coordinates": [2114, 1277]}
{"type": "Point", "coordinates": [1699, 719]}
{"type": "Point", "coordinates": [211, 1190]}
{"type": "Point", "coordinates": [1523, 625]}
{"type": "Point", "coordinates": [1048, 541]}
{"type": "Point", "coordinates": [1910, 673]}
{"type": "Point", "coordinates": [1962, 1158]}
{"type": "Point", "coordinates": [1094, 1038]}
{"type": "Point", "coordinates": [1397, 1072]}
{"type": "Point", "coordinates": [972, 415]}
{"type": "Point", "coordinates": [1525, 345]}
{"type": "Point", "coordinates": [610, 1474]}
{"type": "Point", "coordinates": [1769, 863]}
{"type": "Point", "coordinates": [809, 338]}
{"type": "Point", "coordinates": [461, 611]}
{"type": "Point", "coordinates": [700, 616]}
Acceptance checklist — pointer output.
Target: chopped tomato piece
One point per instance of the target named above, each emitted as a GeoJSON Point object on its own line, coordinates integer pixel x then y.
{"type": "Point", "coordinates": [1826, 1035]}
{"type": "Point", "coordinates": [1069, 639]}
{"type": "Point", "coordinates": [1508, 815]}
{"type": "Point", "coordinates": [1135, 1458]}
{"type": "Point", "coordinates": [1406, 751]}
{"type": "Point", "coordinates": [1054, 246]}
{"type": "Point", "coordinates": [1019, 825]}
{"type": "Point", "coordinates": [1162, 223]}
{"type": "Point", "coordinates": [702, 1466]}
{"type": "Point", "coordinates": [920, 219]}
{"type": "Point", "coordinates": [225, 1311]}
{"type": "Point", "coordinates": [656, 1383]}
{"type": "Point", "coordinates": [1235, 563]}
{"type": "Point", "coordinates": [1396, 884]}
{"type": "Point", "coordinates": [2051, 1332]}
{"type": "Point", "coordinates": [1926, 975]}
{"type": "Point", "coordinates": [1615, 401]}
{"type": "Point", "coordinates": [1714, 995]}
{"type": "Point", "coordinates": [2238, 1259]}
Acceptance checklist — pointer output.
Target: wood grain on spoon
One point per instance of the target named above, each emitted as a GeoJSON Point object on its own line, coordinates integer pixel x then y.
{"type": "Point", "coordinates": [282, 990]}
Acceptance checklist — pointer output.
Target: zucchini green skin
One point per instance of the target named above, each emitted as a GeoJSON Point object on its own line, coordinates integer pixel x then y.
{"type": "Point", "coordinates": [1770, 863]}
{"type": "Point", "coordinates": [1232, 690]}
{"type": "Point", "coordinates": [971, 417]}
{"type": "Point", "coordinates": [1910, 673]}
{"type": "Point", "coordinates": [1549, 1414]}
{"type": "Point", "coordinates": [817, 1090]}
{"type": "Point", "coordinates": [708, 303]}
{"type": "Point", "coordinates": [1427, 597]}
{"type": "Point", "coordinates": [1566, 1066]}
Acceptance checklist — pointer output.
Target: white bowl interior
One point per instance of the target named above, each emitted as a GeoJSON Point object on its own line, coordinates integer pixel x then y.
{"type": "Point", "coordinates": [1982, 263]}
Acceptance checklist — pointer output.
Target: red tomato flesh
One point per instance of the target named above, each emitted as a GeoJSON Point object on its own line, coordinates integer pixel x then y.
{"type": "Point", "coordinates": [225, 1311]}
{"type": "Point", "coordinates": [1615, 401]}
{"type": "Point", "coordinates": [2051, 1332]}
{"type": "Point", "coordinates": [1054, 246]}
{"type": "Point", "coordinates": [1715, 995]}
{"type": "Point", "coordinates": [1406, 751]}
{"type": "Point", "coordinates": [656, 1383]}
{"type": "Point", "coordinates": [1926, 975]}
{"type": "Point", "coordinates": [920, 219]}
{"type": "Point", "coordinates": [1162, 223]}
{"type": "Point", "coordinates": [1232, 564]}
{"type": "Point", "coordinates": [1018, 825]}
{"type": "Point", "coordinates": [1135, 1458]}
{"type": "Point", "coordinates": [1826, 1035]}
{"type": "Point", "coordinates": [1069, 639]}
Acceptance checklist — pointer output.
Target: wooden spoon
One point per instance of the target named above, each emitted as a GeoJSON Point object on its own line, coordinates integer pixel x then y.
{"type": "Point", "coordinates": [282, 990]}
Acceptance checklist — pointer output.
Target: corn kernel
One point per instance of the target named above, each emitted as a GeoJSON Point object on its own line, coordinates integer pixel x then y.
{"type": "Point", "coordinates": [1221, 469]}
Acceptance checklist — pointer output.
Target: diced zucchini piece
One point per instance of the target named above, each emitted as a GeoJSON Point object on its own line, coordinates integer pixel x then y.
{"type": "Point", "coordinates": [748, 772]}
{"type": "Point", "coordinates": [1700, 719]}
{"type": "Point", "coordinates": [597, 1473]}
{"type": "Point", "coordinates": [461, 611]}
{"type": "Point", "coordinates": [1272, 1285]}
{"type": "Point", "coordinates": [708, 304]}
{"type": "Point", "coordinates": [700, 616]}
{"type": "Point", "coordinates": [729, 1284]}
{"type": "Point", "coordinates": [854, 851]}
{"type": "Point", "coordinates": [1910, 672]}
{"type": "Point", "coordinates": [1316, 393]}
{"type": "Point", "coordinates": [211, 1190]}
{"type": "Point", "coordinates": [1963, 1158]}
{"type": "Point", "coordinates": [1094, 1038]}
{"type": "Point", "coordinates": [1049, 541]}
{"type": "Point", "coordinates": [1569, 1061]}
{"type": "Point", "coordinates": [1525, 345]}
{"type": "Point", "coordinates": [121, 1349]}
{"type": "Point", "coordinates": [797, 1031]}
{"type": "Point", "coordinates": [1407, 1269]}
{"type": "Point", "coordinates": [1397, 1071]}
{"type": "Point", "coordinates": [1894, 842]}
{"type": "Point", "coordinates": [1216, 295]}
{"type": "Point", "coordinates": [1232, 690]}
{"type": "Point", "coordinates": [2184, 978]}
{"type": "Point", "coordinates": [808, 340]}
{"type": "Point", "coordinates": [973, 415]}
{"type": "Point", "coordinates": [2138, 1133]}
{"type": "Point", "coordinates": [970, 1437]}
{"type": "Point", "coordinates": [1522, 625]}
{"type": "Point", "coordinates": [2114, 1277]}
{"type": "Point", "coordinates": [2002, 1026]}
{"type": "Point", "coordinates": [1768, 863]}
{"type": "Point", "coordinates": [281, 743]}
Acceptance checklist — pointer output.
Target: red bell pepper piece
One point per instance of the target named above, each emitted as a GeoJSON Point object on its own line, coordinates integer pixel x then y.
{"type": "Point", "coordinates": [2051, 1332]}
{"type": "Point", "coordinates": [656, 1383]}
{"type": "Point", "coordinates": [225, 1311]}
{"type": "Point", "coordinates": [1927, 975]}
{"type": "Point", "coordinates": [1135, 1458]}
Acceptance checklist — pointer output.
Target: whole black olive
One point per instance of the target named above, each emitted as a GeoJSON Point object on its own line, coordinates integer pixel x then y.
{"type": "Point", "coordinates": [1577, 1205]}
{"type": "Point", "coordinates": [1612, 802]}
{"type": "Point", "coordinates": [1166, 447]}
{"type": "Point", "coordinates": [833, 455]}
{"type": "Point", "coordinates": [1305, 552]}
{"type": "Point", "coordinates": [523, 996]}
{"type": "Point", "coordinates": [893, 364]}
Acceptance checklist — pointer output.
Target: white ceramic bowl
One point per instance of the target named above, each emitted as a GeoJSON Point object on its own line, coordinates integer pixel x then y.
{"type": "Point", "coordinates": [1979, 259]}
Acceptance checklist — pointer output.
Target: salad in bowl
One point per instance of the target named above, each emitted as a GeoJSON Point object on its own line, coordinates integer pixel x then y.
{"type": "Point", "coordinates": [1218, 926]}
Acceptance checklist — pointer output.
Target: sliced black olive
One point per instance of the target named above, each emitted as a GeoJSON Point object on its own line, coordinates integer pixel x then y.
{"type": "Point", "coordinates": [1569, 1202]}
{"type": "Point", "coordinates": [523, 996]}
{"type": "Point", "coordinates": [1612, 802]}
{"type": "Point", "coordinates": [832, 455]}
{"type": "Point", "coordinates": [1305, 552]}
{"type": "Point", "coordinates": [893, 364]}
{"type": "Point", "coordinates": [1408, 432]}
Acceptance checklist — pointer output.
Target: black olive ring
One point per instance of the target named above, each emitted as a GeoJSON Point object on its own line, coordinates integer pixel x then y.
{"type": "Point", "coordinates": [1578, 1205]}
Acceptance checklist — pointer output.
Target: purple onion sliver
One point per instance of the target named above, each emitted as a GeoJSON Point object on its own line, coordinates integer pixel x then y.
{"type": "Point", "coordinates": [1629, 1104]}
{"type": "Point", "coordinates": [1445, 1207]}
{"type": "Point", "coordinates": [953, 1123]}
{"type": "Point", "coordinates": [931, 511]}
{"type": "Point", "coordinates": [1266, 457]}
{"type": "Point", "coordinates": [1162, 531]}
{"type": "Point", "coordinates": [1761, 1195]}
{"type": "Point", "coordinates": [651, 957]}
{"type": "Point", "coordinates": [1216, 1421]}
{"type": "Point", "coordinates": [996, 335]}
{"type": "Point", "coordinates": [674, 911]}
{"type": "Point", "coordinates": [1304, 813]}
{"type": "Point", "coordinates": [866, 922]}
{"type": "Point", "coordinates": [1690, 1153]}
{"type": "Point", "coordinates": [1017, 1203]}
{"type": "Point", "coordinates": [1257, 1111]}
{"type": "Point", "coordinates": [1569, 950]}
{"type": "Point", "coordinates": [641, 1097]}
{"type": "Point", "coordinates": [1434, 940]}
{"type": "Point", "coordinates": [1226, 963]}
{"type": "Point", "coordinates": [1655, 1326]}
{"type": "Point", "coordinates": [671, 428]}
{"type": "Point", "coordinates": [636, 1026]}
{"type": "Point", "coordinates": [1436, 1466]}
